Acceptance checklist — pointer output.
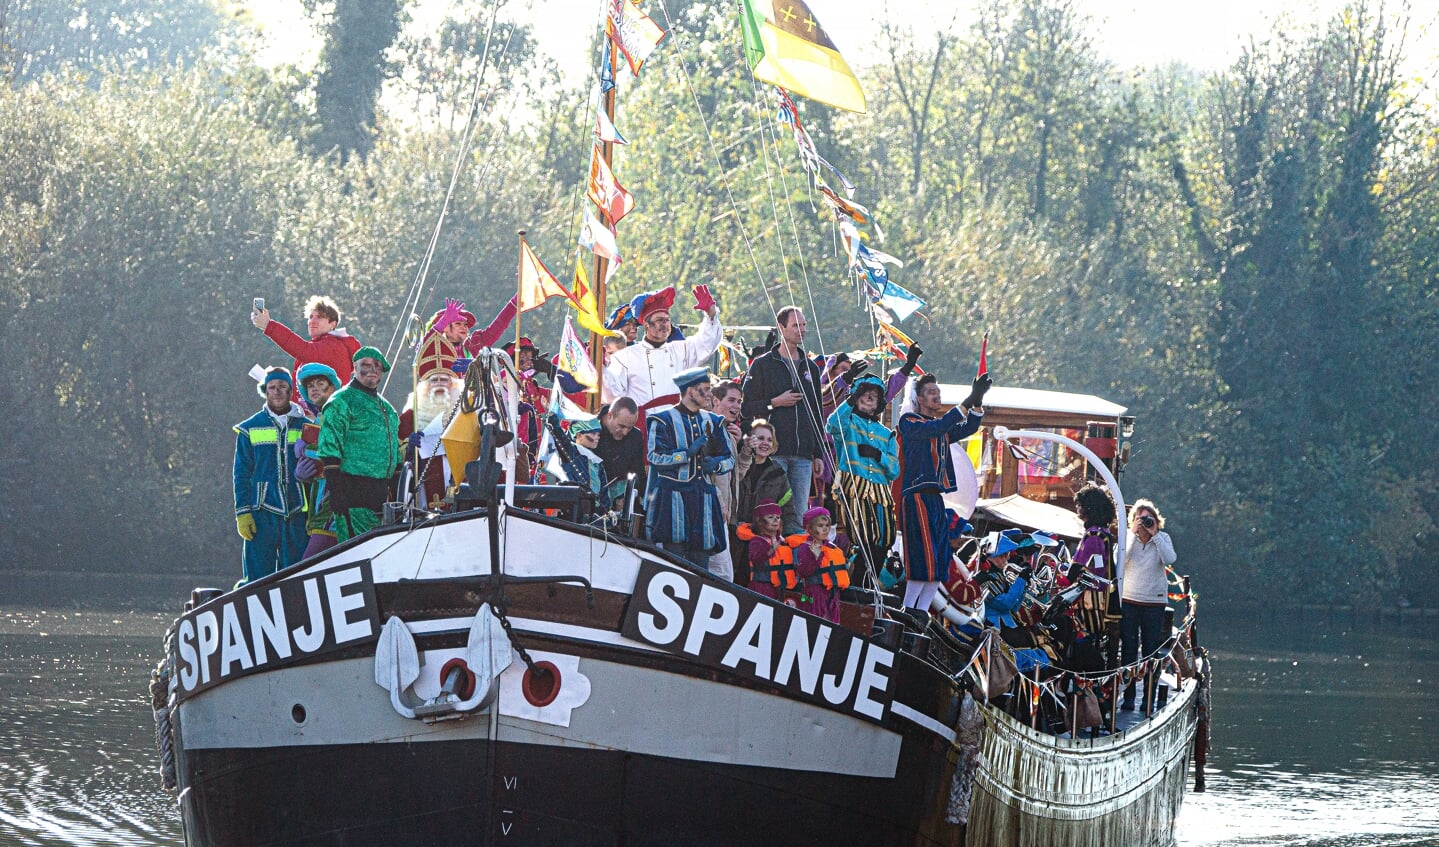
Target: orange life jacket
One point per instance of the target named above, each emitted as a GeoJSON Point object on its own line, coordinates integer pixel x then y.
{"type": "Point", "coordinates": [833, 570]}
{"type": "Point", "coordinates": [779, 570]}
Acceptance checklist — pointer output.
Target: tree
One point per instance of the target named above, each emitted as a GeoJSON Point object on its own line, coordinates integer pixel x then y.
{"type": "Point", "coordinates": [353, 69]}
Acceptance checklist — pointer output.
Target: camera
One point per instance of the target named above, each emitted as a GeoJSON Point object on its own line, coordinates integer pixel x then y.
{"type": "Point", "coordinates": [1147, 521]}
{"type": "Point", "coordinates": [259, 304]}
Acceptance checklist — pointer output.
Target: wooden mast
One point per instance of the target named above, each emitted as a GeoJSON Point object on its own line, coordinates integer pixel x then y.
{"type": "Point", "coordinates": [601, 266]}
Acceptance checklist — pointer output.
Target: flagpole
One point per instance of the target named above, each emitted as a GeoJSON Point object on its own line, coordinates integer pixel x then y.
{"type": "Point", "coordinates": [519, 302]}
{"type": "Point", "coordinates": [607, 149]}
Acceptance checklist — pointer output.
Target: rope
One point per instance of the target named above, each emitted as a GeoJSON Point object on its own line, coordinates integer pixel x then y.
{"type": "Point", "coordinates": [714, 153]}
{"type": "Point", "coordinates": [417, 285]}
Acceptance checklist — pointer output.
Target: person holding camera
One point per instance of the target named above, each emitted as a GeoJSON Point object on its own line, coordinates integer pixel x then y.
{"type": "Point", "coordinates": [1147, 555]}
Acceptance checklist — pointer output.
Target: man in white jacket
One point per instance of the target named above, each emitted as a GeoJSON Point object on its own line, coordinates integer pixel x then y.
{"type": "Point", "coordinates": [645, 370]}
{"type": "Point", "coordinates": [1147, 555]}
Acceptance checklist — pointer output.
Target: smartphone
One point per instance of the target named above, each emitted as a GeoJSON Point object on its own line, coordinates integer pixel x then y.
{"type": "Point", "coordinates": [259, 304]}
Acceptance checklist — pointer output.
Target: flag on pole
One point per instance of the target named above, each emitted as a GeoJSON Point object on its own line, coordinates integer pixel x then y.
{"type": "Point", "coordinates": [599, 239]}
{"type": "Point", "coordinates": [899, 300]}
{"type": "Point", "coordinates": [607, 72]}
{"type": "Point", "coordinates": [537, 284]}
{"type": "Point", "coordinates": [584, 302]}
{"type": "Point", "coordinates": [575, 359]}
{"type": "Point", "coordinates": [605, 191]}
{"type": "Point", "coordinates": [786, 46]}
{"type": "Point", "coordinates": [983, 349]}
{"type": "Point", "coordinates": [605, 130]}
{"type": "Point", "coordinates": [633, 32]}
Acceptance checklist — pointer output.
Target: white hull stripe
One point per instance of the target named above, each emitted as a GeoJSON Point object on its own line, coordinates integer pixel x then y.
{"type": "Point", "coordinates": [920, 718]}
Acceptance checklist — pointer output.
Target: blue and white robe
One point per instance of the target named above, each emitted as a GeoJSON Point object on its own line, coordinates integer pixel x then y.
{"type": "Point", "coordinates": [681, 504]}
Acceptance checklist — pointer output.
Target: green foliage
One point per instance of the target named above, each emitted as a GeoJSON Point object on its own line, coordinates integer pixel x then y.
{"type": "Point", "coordinates": [1246, 259]}
{"type": "Point", "coordinates": [39, 37]}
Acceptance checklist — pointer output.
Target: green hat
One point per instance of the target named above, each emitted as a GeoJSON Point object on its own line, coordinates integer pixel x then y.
{"type": "Point", "coordinates": [371, 353]}
{"type": "Point", "coordinates": [584, 425]}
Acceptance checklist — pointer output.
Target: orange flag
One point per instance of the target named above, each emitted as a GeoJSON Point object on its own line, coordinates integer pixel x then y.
{"type": "Point", "coordinates": [537, 284]}
{"type": "Point", "coordinates": [605, 191]}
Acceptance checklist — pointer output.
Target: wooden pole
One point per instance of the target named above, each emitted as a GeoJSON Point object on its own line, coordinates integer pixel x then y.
{"type": "Point", "coordinates": [519, 307]}
{"type": "Point", "coordinates": [607, 150]}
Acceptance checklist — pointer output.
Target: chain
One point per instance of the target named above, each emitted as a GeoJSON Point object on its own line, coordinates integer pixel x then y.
{"type": "Point", "coordinates": [498, 604]}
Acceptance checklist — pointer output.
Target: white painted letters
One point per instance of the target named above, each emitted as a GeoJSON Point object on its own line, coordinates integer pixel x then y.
{"type": "Point", "coordinates": [342, 604]}
{"type": "Point", "coordinates": [798, 652]}
{"type": "Point", "coordinates": [711, 600]}
{"type": "Point", "coordinates": [836, 690]}
{"type": "Point", "coordinates": [871, 679]}
{"type": "Point", "coordinates": [268, 626]}
{"type": "Point", "coordinates": [309, 642]}
{"type": "Point", "coordinates": [209, 641]}
{"type": "Point", "coordinates": [233, 647]}
{"type": "Point", "coordinates": [754, 643]}
{"type": "Point", "coordinates": [189, 673]}
{"type": "Point", "coordinates": [663, 590]}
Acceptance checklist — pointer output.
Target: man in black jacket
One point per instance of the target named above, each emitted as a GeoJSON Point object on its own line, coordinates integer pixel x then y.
{"type": "Point", "coordinates": [622, 444]}
{"type": "Point", "coordinates": [783, 386]}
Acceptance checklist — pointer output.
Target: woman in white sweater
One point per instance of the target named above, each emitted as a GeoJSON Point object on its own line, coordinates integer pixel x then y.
{"type": "Point", "coordinates": [1147, 554]}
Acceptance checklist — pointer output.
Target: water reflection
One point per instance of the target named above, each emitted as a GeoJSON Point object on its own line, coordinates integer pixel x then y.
{"type": "Point", "coordinates": [1323, 737]}
{"type": "Point", "coordinates": [78, 766]}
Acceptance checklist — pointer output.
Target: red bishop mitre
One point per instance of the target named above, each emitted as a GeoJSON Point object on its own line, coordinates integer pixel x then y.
{"type": "Point", "coordinates": [437, 353]}
{"type": "Point", "coordinates": [660, 301]}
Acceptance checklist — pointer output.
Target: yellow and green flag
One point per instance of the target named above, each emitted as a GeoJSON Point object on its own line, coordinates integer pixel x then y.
{"type": "Point", "coordinates": [786, 46]}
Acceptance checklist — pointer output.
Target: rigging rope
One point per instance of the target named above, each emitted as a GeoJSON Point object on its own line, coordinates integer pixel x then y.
{"type": "Point", "coordinates": [417, 286]}
{"type": "Point", "coordinates": [714, 153]}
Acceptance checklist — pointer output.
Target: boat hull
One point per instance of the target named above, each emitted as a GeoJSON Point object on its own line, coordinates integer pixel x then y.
{"type": "Point", "coordinates": [1036, 790]}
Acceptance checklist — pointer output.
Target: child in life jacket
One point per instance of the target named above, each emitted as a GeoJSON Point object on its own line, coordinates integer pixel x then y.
{"type": "Point", "coordinates": [820, 565]}
{"type": "Point", "coordinates": [771, 563]}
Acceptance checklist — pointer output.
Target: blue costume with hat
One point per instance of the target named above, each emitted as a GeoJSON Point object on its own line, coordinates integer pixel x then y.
{"type": "Point", "coordinates": [266, 490]}
{"type": "Point", "coordinates": [681, 504]}
{"type": "Point", "coordinates": [926, 473]}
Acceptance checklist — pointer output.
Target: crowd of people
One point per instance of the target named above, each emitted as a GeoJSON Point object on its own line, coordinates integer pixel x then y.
{"type": "Point", "coordinates": [787, 481]}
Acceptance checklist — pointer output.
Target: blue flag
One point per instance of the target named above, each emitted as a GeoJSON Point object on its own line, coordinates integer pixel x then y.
{"type": "Point", "coordinates": [607, 71]}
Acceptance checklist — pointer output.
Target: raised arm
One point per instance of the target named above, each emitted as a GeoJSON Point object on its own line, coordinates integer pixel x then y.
{"type": "Point", "coordinates": [487, 337]}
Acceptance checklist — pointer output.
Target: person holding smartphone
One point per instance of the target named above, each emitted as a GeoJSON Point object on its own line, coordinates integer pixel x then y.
{"type": "Point", "coordinates": [1147, 555]}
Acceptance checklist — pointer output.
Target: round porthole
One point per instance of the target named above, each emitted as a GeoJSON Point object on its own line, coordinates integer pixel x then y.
{"type": "Point", "coordinates": [541, 685]}
{"type": "Point", "coordinates": [298, 714]}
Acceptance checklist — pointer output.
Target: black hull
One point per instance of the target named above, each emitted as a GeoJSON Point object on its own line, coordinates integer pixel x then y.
{"type": "Point", "coordinates": [482, 793]}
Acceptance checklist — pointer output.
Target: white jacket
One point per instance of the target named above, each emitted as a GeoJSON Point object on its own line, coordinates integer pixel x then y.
{"type": "Point", "coordinates": [643, 372]}
{"type": "Point", "coordinates": [1144, 564]}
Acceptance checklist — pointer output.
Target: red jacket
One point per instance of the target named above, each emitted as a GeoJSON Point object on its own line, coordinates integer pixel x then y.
{"type": "Point", "coordinates": [329, 349]}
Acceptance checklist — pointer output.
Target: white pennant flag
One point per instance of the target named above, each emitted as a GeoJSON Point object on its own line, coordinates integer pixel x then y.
{"type": "Point", "coordinates": [605, 130]}
{"type": "Point", "coordinates": [599, 239]}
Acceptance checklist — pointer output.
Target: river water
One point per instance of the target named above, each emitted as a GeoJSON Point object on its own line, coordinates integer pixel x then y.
{"type": "Point", "coordinates": [1321, 735]}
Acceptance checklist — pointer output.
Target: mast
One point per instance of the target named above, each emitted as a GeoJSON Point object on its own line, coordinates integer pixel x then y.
{"type": "Point", "coordinates": [601, 267]}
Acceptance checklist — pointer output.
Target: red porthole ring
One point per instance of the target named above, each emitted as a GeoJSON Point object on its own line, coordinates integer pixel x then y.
{"type": "Point", "coordinates": [541, 688]}
{"type": "Point", "coordinates": [467, 685]}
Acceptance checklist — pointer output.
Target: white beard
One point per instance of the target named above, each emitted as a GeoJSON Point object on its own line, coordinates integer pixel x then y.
{"type": "Point", "coordinates": [431, 405]}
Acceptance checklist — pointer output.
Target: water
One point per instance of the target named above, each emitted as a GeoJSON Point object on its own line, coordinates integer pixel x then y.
{"type": "Point", "coordinates": [1323, 736]}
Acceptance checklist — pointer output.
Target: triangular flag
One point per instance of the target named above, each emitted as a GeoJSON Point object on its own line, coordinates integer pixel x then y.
{"type": "Point", "coordinates": [605, 191]}
{"type": "Point", "coordinates": [537, 284]}
{"type": "Point", "coordinates": [584, 302]}
{"type": "Point", "coordinates": [633, 32]}
{"type": "Point", "coordinates": [605, 130]}
{"type": "Point", "coordinates": [897, 299]}
{"type": "Point", "coordinates": [599, 239]}
{"type": "Point", "coordinates": [575, 359]}
{"type": "Point", "coordinates": [983, 349]}
{"type": "Point", "coordinates": [786, 46]}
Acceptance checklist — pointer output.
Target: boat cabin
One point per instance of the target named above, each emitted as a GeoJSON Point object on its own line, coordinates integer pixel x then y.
{"type": "Point", "coordinates": [1043, 471]}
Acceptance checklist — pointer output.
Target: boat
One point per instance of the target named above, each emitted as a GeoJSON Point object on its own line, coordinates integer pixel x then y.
{"type": "Point", "coordinates": [504, 675]}
{"type": "Point", "coordinates": [520, 670]}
